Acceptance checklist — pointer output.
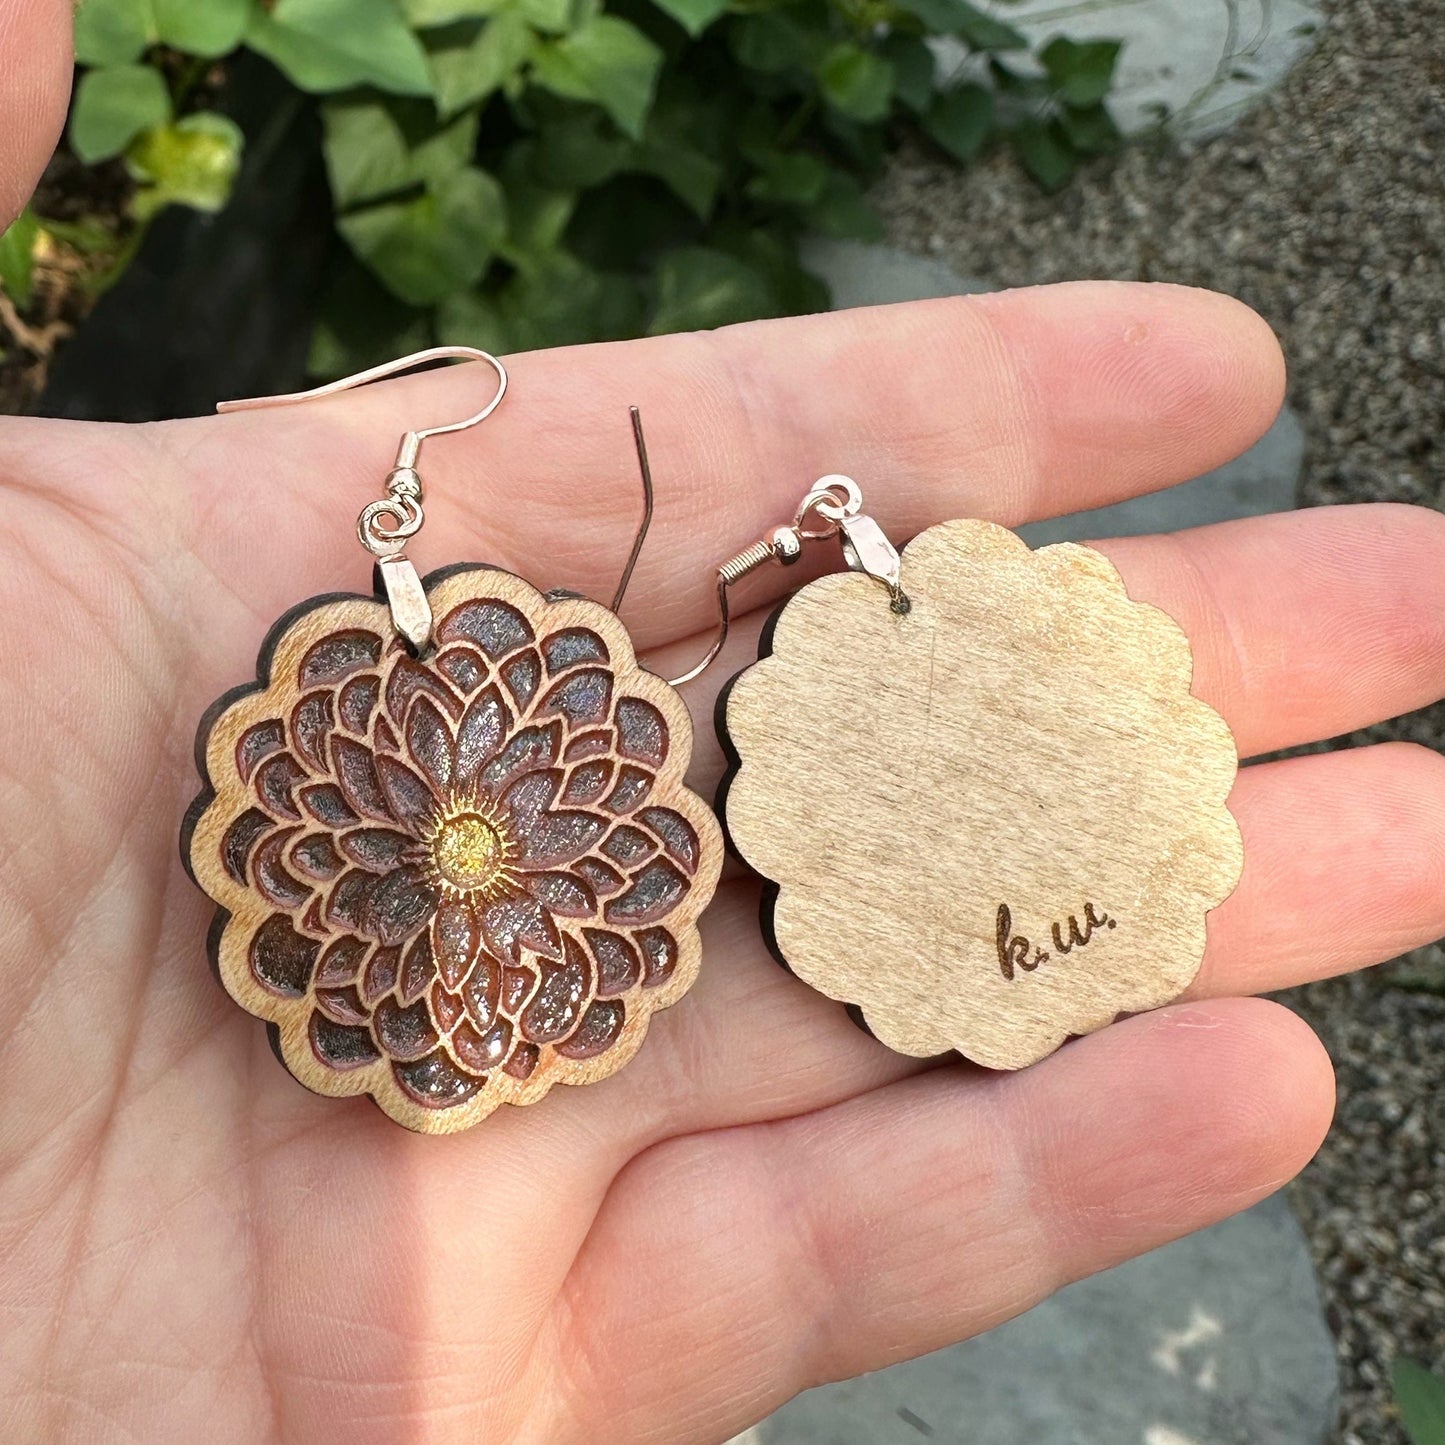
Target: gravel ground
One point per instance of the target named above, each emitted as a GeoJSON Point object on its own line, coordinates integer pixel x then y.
{"type": "Point", "coordinates": [1325, 210]}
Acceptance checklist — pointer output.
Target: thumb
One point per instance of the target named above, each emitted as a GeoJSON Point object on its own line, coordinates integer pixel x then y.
{"type": "Point", "coordinates": [34, 92]}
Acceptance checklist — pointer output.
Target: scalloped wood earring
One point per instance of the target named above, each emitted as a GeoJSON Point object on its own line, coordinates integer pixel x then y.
{"type": "Point", "coordinates": [989, 810]}
{"type": "Point", "coordinates": [446, 831]}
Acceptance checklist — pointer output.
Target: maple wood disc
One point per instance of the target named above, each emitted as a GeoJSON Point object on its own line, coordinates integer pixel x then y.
{"type": "Point", "coordinates": [995, 821]}
{"type": "Point", "coordinates": [454, 882]}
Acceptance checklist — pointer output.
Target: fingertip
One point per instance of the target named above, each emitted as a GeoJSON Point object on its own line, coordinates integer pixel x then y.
{"type": "Point", "coordinates": [1185, 379]}
{"type": "Point", "coordinates": [35, 65]}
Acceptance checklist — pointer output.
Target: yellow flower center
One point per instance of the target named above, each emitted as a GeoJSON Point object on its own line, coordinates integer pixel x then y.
{"type": "Point", "coordinates": [468, 853]}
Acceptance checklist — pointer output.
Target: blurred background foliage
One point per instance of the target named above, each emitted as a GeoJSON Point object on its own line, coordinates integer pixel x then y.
{"type": "Point", "coordinates": [523, 173]}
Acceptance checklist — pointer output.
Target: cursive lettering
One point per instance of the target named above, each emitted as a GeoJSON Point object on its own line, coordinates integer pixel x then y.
{"type": "Point", "coordinates": [1016, 951]}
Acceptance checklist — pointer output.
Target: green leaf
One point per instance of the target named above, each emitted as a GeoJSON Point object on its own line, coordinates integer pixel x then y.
{"type": "Point", "coordinates": [693, 15]}
{"type": "Point", "coordinates": [960, 120]}
{"type": "Point", "coordinates": [789, 178]}
{"type": "Point", "coordinates": [329, 45]}
{"type": "Point", "coordinates": [113, 106]}
{"type": "Point", "coordinates": [1090, 129]}
{"type": "Point", "coordinates": [576, 152]}
{"type": "Point", "coordinates": [433, 244]}
{"type": "Point", "coordinates": [856, 81]}
{"type": "Point", "coordinates": [375, 148]}
{"type": "Point", "coordinates": [191, 163]}
{"type": "Point", "coordinates": [1045, 155]}
{"type": "Point", "coordinates": [845, 212]}
{"type": "Point", "coordinates": [424, 14]}
{"type": "Point", "coordinates": [980, 31]}
{"type": "Point", "coordinates": [1082, 70]}
{"type": "Point", "coordinates": [470, 319]}
{"type": "Point", "coordinates": [913, 65]}
{"type": "Point", "coordinates": [607, 61]}
{"type": "Point", "coordinates": [770, 42]}
{"type": "Point", "coordinates": [1421, 1398]}
{"type": "Point", "coordinates": [17, 257]}
{"type": "Point", "coordinates": [537, 219]}
{"type": "Point", "coordinates": [699, 288]}
{"type": "Point", "coordinates": [690, 173]}
{"type": "Point", "coordinates": [556, 17]}
{"type": "Point", "coordinates": [112, 32]}
{"type": "Point", "coordinates": [470, 61]}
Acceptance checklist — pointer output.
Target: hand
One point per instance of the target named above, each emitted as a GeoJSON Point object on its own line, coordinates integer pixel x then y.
{"type": "Point", "coordinates": [192, 1247]}
{"type": "Point", "coordinates": [34, 87]}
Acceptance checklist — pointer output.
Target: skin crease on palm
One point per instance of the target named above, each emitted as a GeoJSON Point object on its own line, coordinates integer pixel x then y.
{"type": "Point", "coordinates": [192, 1247]}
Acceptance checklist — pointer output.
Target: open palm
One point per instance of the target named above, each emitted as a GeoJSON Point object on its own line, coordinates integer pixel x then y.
{"type": "Point", "coordinates": [191, 1246]}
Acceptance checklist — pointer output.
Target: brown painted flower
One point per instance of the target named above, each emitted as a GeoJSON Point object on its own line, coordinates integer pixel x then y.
{"type": "Point", "coordinates": [453, 882]}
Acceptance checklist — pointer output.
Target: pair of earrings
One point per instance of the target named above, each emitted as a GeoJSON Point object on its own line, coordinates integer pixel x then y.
{"type": "Point", "coordinates": [455, 861]}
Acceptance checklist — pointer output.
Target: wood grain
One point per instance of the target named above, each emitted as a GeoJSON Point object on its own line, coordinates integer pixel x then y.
{"type": "Point", "coordinates": [996, 821]}
{"type": "Point", "coordinates": [453, 882]}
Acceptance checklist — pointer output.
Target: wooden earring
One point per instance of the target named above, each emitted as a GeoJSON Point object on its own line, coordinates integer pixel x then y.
{"type": "Point", "coordinates": [989, 810]}
{"type": "Point", "coordinates": [446, 831]}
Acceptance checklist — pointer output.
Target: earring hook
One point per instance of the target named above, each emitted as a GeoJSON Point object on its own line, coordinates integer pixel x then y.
{"type": "Point", "coordinates": [837, 502]}
{"type": "Point", "coordinates": [401, 507]}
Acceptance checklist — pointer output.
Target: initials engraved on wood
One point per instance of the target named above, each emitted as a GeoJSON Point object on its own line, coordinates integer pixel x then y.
{"type": "Point", "coordinates": [1016, 952]}
{"type": "Point", "coordinates": [994, 822]}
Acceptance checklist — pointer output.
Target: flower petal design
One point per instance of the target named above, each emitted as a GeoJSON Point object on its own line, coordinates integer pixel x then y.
{"type": "Point", "coordinates": [453, 881]}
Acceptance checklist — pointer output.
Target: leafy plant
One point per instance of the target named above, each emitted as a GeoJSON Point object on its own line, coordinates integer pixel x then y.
{"type": "Point", "coordinates": [1420, 1396]}
{"type": "Point", "coordinates": [517, 173]}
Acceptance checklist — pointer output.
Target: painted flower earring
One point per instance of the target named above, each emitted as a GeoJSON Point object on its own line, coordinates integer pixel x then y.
{"type": "Point", "coordinates": [446, 831]}
{"type": "Point", "coordinates": [990, 813]}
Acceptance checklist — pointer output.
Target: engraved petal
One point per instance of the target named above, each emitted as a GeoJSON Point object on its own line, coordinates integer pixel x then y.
{"type": "Point", "coordinates": [342, 1005]}
{"type": "Point", "coordinates": [258, 742]}
{"type": "Point", "coordinates": [583, 697]}
{"type": "Point", "coordinates": [513, 924]}
{"type": "Point", "coordinates": [556, 839]}
{"type": "Point", "coordinates": [678, 836]}
{"type": "Point", "coordinates": [482, 992]}
{"type": "Point", "coordinates": [338, 656]}
{"type": "Point", "coordinates": [356, 772]}
{"type": "Point", "coordinates": [358, 701]}
{"type": "Point", "coordinates": [341, 962]}
{"type": "Point", "coordinates": [274, 881]}
{"type": "Point", "coordinates": [417, 970]}
{"type": "Point", "coordinates": [400, 903]}
{"type": "Point", "coordinates": [436, 1082]}
{"type": "Point", "coordinates": [409, 680]}
{"type": "Point", "coordinates": [479, 735]}
{"type": "Point", "coordinates": [315, 856]}
{"type": "Point", "coordinates": [240, 838]}
{"type": "Point", "coordinates": [340, 1047]}
{"type": "Point", "coordinates": [654, 893]}
{"type": "Point", "coordinates": [405, 1033]}
{"type": "Point", "coordinates": [571, 646]}
{"type": "Point", "coordinates": [456, 937]}
{"type": "Point", "coordinates": [558, 1004]}
{"type": "Point", "coordinates": [598, 1031]}
{"type": "Point", "coordinates": [381, 974]}
{"type": "Point", "coordinates": [561, 893]}
{"type": "Point", "coordinates": [409, 798]}
{"type": "Point", "coordinates": [587, 782]}
{"type": "Point", "coordinates": [619, 965]}
{"type": "Point", "coordinates": [633, 786]}
{"type": "Point", "coordinates": [326, 804]}
{"type": "Point", "coordinates": [530, 796]}
{"type": "Point", "coordinates": [378, 850]}
{"type": "Point", "coordinates": [281, 959]}
{"type": "Point", "coordinates": [523, 676]}
{"type": "Point", "coordinates": [482, 1050]}
{"type": "Point", "coordinates": [429, 741]}
{"type": "Point", "coordinates": [495, 627]}
{"type": "Point", "coordinates": [276, 781]}
{"type": "Point", "coordinates": [659, 956]}
{"type": "Point", "coordinates": [641, 732]}
{"type": "Point", "coordinates": [463, 667]}
{"type": "Point", "coordinates": [311, 720]}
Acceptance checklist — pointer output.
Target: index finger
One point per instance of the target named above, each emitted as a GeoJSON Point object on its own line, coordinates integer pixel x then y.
{"type": "Point", "coordinates": [1013, 406]}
